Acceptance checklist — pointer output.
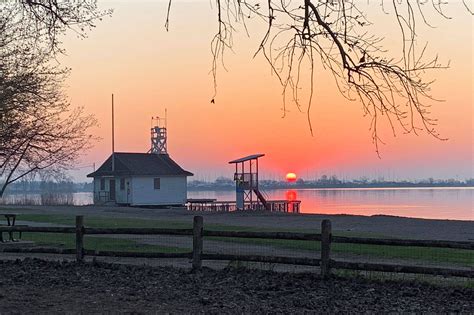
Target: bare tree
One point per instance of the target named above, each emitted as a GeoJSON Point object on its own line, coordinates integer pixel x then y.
{"type": "Point", "coordinates": [41, 23]}
{"type": "Point", "coordinates": [38, 128]}
{"type": "Point", "coordinates": [337, 35]}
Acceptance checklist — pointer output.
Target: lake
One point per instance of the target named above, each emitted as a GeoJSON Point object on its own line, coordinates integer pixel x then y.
{"type": "Point", "coordinates": [431, 203]}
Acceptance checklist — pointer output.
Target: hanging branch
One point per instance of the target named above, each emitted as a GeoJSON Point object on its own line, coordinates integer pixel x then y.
{"type": "Point", "coordinates": [336, 35]}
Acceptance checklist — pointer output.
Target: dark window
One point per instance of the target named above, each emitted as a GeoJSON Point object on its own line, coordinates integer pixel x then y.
{"type": "Point", "coordinates": [122, 183]}
{"type": "Point", "coordinates": [156, 183]}
{"type": "Point", "coordinates": [102, 184]}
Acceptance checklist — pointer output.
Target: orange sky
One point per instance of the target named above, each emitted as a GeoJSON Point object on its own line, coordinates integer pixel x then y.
{"type": "Point", "coordinates": [149, 69]}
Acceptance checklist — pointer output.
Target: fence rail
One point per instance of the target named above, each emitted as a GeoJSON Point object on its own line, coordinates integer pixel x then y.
{"type": "Point", "coordinates": [265, 235]}
{"type": "Point", "coordinates": [38, 229]}
{"type": "Point", "coordinates": [265, 259]}
{"type": "Point", "coordinates": [197, 255]}
{"type": "Point", "coordinates": [40, 250]}
{"type": "Point", "coordinates": [138, 231]}
{"type": "Point", "coordinates": [108, 253]}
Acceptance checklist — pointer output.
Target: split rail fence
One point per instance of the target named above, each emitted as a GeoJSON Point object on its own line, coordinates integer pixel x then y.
{"type": "Point", "coordinates": [197, 255]}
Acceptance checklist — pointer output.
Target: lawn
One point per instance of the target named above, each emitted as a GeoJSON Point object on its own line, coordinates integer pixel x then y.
{"type": "Point", "coordinates": [457, 257]}
{"type": "Point", "coordinates": [98, 243]}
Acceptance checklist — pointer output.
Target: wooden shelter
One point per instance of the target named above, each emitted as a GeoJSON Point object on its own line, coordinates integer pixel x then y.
{"type": "Point", "coordinates": [246, 182]}
{"type": "Point", "coordinates": [140, 179]}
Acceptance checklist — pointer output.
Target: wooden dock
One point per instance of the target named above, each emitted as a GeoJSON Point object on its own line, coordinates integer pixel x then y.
{"type": "Point", "coordinates": [288, 206]}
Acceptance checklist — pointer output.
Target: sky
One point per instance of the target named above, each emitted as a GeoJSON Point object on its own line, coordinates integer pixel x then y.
{"type": "Point", "coordinates": [149, 70]}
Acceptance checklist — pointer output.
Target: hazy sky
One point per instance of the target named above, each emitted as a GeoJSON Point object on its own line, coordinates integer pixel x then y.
{"type": "Point", "coordinates": [148, 69]}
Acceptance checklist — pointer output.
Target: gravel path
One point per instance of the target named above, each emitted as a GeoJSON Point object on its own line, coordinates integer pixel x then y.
{"type": "Point", "coordinates": [36, 286]}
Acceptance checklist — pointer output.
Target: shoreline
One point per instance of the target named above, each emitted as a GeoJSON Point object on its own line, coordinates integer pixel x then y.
{"type": "Point", "coordinates": [217, 188]}
{"type": "Point", "coordinates": [382, 215]}
{"type": "Point", "coordinates": [438, 203]}
{"type": "Point", "coordinates": [302, 214]}
{"type": "Point", "coordinates": [336, 187]}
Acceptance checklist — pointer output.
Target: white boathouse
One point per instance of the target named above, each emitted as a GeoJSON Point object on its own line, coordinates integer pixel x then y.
{"type": "Point", "coordinates": [141, 179]}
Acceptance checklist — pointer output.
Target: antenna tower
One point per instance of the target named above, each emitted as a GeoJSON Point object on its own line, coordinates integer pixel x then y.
{"type": "Point", "coordinates": [158, 135]}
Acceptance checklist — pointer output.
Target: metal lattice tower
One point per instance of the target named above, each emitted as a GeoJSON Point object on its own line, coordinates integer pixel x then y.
{"type": "Point", "coordinates": [158, 136]}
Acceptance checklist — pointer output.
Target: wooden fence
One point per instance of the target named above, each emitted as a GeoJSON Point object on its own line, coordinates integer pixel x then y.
{"type": "Point", "coordinates": [197, 255]}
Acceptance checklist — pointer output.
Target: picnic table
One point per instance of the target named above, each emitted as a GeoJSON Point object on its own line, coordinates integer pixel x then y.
{"type": "Point", "coordinates": [11, 220]}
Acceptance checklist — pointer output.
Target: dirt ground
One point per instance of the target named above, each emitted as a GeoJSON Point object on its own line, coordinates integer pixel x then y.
{"type": "Point", "coordinates": [389, 226]}
{"type": "Point", "coordinates": [40, 287]}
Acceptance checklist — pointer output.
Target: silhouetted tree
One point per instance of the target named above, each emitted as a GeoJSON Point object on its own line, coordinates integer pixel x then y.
{"type": "Point", "coordinates": [38, 128]}
{"type": "Point", "coordinates": [300, 181]}
{"type": "Point", "coordinates": [221, 180]}
{"type": "Point", "coordinates": [41, 23]}
{"type": "Point", "coordinates": [323, 179]}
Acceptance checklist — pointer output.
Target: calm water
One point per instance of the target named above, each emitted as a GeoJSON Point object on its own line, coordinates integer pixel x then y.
{"type": "Point", "coordinates": [433, 203]}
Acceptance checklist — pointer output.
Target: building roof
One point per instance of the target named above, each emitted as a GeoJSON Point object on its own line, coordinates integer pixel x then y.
{"type": "Point", "coordinates": [146, 164]}
{"type": "Point", "coordinates": [247, 158]}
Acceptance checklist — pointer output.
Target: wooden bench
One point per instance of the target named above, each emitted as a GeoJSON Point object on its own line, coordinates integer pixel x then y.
{"type": "Point", "coordinates": [12, 217]}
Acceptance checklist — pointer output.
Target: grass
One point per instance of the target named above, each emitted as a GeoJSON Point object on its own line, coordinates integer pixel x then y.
{"type": "Point", "coordinates": [103, 221]}
{"type": "Point", "coordinates": [106, 222]}
{"type": "Point", "coordinates": [98, 243]}
{"type": "Point", "coordinates": [433, 255]}
{"type": "Point", "coordinates": [458, 257]}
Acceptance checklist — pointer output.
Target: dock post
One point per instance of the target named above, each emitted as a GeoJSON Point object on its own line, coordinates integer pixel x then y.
{"type": "Point", "coordinates": [197, 242]}
{"type": "Point", "coordinates": [325, 249]}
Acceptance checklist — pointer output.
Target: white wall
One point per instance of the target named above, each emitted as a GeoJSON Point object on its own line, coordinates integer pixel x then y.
{"type": "Point", "coordinates": [173, 190]}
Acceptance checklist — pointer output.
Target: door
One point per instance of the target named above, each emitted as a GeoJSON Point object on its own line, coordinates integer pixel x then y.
{"type": "Point", "coordinates": [129, 192]}
{"type": "Point", "coordinates": [112, 189]}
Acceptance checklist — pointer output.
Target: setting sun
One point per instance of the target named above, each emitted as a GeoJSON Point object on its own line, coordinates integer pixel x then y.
{"type": "Point", "coordinates": [291, 177]}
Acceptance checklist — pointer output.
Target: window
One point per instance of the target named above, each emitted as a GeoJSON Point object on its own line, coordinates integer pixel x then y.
{"type": "Point", "coordinates": [122, 183]}
{"type": "Point", "coordinates": [102, 184]}
{"type": "Point", "coordinates": [156, 183]}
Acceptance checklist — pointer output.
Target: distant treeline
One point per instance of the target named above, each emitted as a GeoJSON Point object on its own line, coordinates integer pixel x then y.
{"type": "Point", "coordinates": [38, 187]}
{"type": "Point", "coordinates": [223, 183]}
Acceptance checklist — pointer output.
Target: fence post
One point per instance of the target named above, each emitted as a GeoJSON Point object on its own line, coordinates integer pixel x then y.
{"type": "Point", "coordinates": [197, 242]}
{"type": "Point", "coordinates": [325, 248]}
{"type": "Point", "coordinates": [79, 238]}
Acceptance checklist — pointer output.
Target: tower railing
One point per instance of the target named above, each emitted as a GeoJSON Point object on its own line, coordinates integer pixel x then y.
{"type": "Point", "coordinates": [246, 180]}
